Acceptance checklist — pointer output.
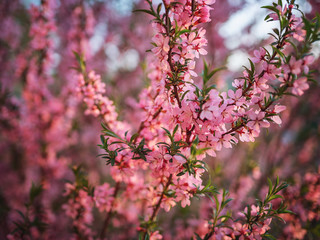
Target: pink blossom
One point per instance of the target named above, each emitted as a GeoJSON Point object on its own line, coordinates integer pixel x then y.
{"type": "Point", "coordinates": [307, 61]}
{"type": "Point", "coordinates": [162, 44]}
{"type": "Point", "coordinates": [259, 55]}
{"type": "Point", "coordinates": [300, 85]}
{"type": "Point", "coordinates": [270, 71]}
{"type": "Point", "coordinates": [257, 121]}
{"type": "Point", "coordinates": [277, 109]}
{"type": "Point", "coordinates": [103, 197]}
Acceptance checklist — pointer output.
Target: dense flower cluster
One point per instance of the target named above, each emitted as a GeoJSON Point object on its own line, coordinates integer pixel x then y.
{"type": "Point", "coordinates": [92, 91]}
{"type": "Point", "coordinates": [195, 120]}
{"type": "Point", "coordinates": [79, 210]}
{"type": "Point", "coordinates": [305, 192]}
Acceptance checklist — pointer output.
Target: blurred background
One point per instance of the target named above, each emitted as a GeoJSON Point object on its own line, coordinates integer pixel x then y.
{"type": "Point", "coordinates": [43, 129]}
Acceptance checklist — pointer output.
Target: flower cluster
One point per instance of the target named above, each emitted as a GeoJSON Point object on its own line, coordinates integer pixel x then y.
{"type": "Point", "coordinates": [91, 91]}
{"type": "Point", "coordinates": [80, 211]}
{"type": "Point", "coordinates": [79, 204]}
{"type": "Point", "coordinates": [238, 230]}
{"type": "Point", "coordinates": [103, 197]}
{"type": "Point", "coordinates": [194, 120]}
{"type": "Point", "coordinates": [305, 192]}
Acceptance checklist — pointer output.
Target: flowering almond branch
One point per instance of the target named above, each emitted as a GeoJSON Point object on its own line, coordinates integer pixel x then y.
{"type": "Point", "coordinates": [182, 122]}
{"type": "Point", "coordinates": [256, 218]}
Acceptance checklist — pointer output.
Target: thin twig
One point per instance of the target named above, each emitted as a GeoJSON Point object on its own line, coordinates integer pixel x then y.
{"type": "Point", "coordinates": [157, 206]}
{"type": "Point", "coordinates": [109, 213]}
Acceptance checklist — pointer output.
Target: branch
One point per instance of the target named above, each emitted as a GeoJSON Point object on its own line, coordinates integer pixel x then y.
{"type": "Point", "coordinates": [109, 213]}
{"type": "Point", "coordinates": [157, 206]}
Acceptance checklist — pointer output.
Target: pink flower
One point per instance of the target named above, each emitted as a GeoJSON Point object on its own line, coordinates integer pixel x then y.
{"type": "Point", "coordinates": [236, 97]}
{"type": "Point", "coordinates": [155, 236]}
{"type": "Point", "coordinates": [257, 121]}
{"type": "Point", "coordinates": [204, 14]}
{"type": "Point", "coordinates": [225, 141]}
{"type": "Point", "coordinates": [162, 44]}
{"type": "Point", "coordinates": [259, 55]}
{"type": "Point", "coordinates": [240, 230]}
{"type": "Point", "coordinates": [308, 60]}
{"type": "Point", "coordinates": [207, 111]}
{"type": "Point", "coordinates": [167, 203]}
{"type": "Point", "coordinates": [295, 65]}
{"type": "Point", "coordinates": [103, 197]}
{"type": "Point", "coordinates": [271, 71]}
{"type": "Point", "coordinates": [238, 83]}
{"type": "Point", "coordinates": [300, 85]}
{"type": "Point", "coordinates": [277, 109]}
{"type": "Point", "coordinates": [245, 136]}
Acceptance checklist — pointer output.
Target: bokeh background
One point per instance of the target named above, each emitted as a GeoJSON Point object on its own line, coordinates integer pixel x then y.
{"type": "Point", "coordinates": [44, 131]}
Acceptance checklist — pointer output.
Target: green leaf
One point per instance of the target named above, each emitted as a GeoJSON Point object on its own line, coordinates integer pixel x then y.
{"type": "Point", "coordinates": [267, 18]}
{"type": "Point", "coordinates": [183, 31]}
{"type": "Point", "coordinates": [175, 130]}
{"type": "Point", "coordinates": [226, 202]}
{"type": "Point", "coordinates": [35, 191]}
{"type": "Point", "coordinates": [104, 126]}
{"type": "Point", "coordinates": [167, 131]}
{"type": "Point", "coordinates": [252, 65]}
{"type": "Point", "coordinates": [197, 236]}
{"type": "Point", "coordinates": [180, 154]}
{"type": "Point", "coordinates": [116, 142]}
{"type": "Point", "coordinates": [275, 197]}
{"type": "Point", "coordinates": [269, 236]}
{"type": "Point", "coordinates": [270, 186]}
{"type": "Point", "coordinates": [22, 215]}
{"type": "Point", "coordinates": [224, 218]}
{"type": "Point", "coordinates": [102, 139]}
{"type": "Point", "coordinates": [276, 31]}
{"type": "Point", "coordinates": [112, 161]}
{"type": "Point", "coordinates": [279, 52]}
{"type": "Point", "coordinates": [182, 173]}
{"type": "Point", "coordinates": [81, 62]}
{"type": "Point", "coordinates": [274, 9]}
{"type": "Point", "coordinates": [159, 8]}
{"type": "Point", "coordinates": [184, 94]}
{"type": "Point", "coordinates": [288, 211]}
{"type": "Point", "coordinates": [215, 71]}
{"type": "Point", "coordinates": [152, 13]}
{"type": "Point", "coordinates": [110, 133]}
